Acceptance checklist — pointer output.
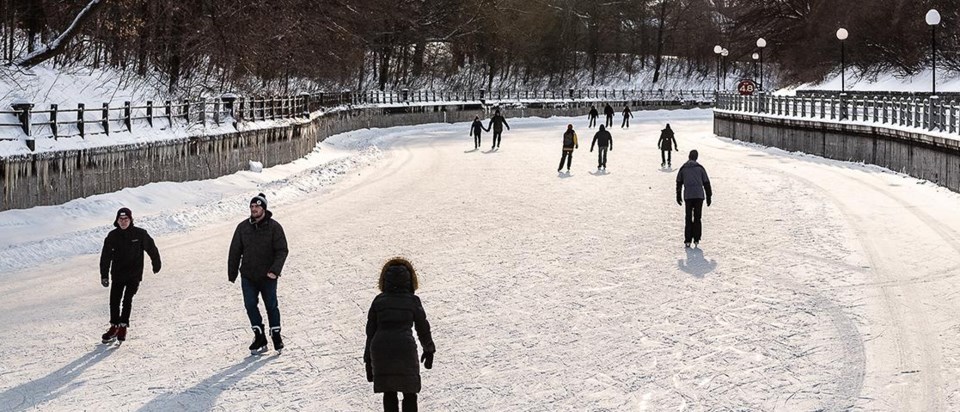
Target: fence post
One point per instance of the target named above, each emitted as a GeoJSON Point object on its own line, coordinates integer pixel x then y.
{"type": "Point", "coordinates": [127, 115]}
{"type": "Point", "coordinates": [953, 116]}
{"type": "Point", "coordinates": [53, 120]}
{"type": "Point", "coordinates": [106, 118]}
{"type": "Point", "coordinates": [932, 112]}
{"type": "Point", "coordinates": [80, 123]}
{"type": "Point", "coordinates": [150, 112]}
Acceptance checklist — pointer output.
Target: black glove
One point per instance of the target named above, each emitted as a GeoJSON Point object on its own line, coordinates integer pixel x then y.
{"type": "Point", "coordinates": [369, 368]}
{"type": "Point", "coordinates": [427, 360]}
{"type": "Point", "coordinates": [105, 282]}
{"type": "Point", "coordinates": [156, 269]}
{"type": "Point", "coordinates": [679, 201]}
{"type": "Point", "coordinates": [708, 201]}
{"type": "Point", "coordinates": [611, 149]}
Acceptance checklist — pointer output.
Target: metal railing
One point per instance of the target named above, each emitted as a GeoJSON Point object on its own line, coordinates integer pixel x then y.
{"type": "Point", "coordinates": [932, 114]}
{"type": "Point", "coordinates": [56, 122]}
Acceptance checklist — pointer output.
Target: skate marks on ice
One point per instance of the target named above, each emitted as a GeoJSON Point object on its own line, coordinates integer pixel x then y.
{"type": "Point", "coordinates": [33, 394]}
{"type": "Point", "coordinates": [696, 264]}
{"type": "Point", "coordinates": [906, 332]}
{"type": "Point", "coordinates": [203, 396]}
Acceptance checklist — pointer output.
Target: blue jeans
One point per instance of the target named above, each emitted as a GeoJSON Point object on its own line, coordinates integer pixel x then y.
{"type": "Point", "coordinates": [267, 289]}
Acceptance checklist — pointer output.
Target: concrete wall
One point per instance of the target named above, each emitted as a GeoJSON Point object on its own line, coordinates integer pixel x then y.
{"type": "Point", "coordinates": [57, 177]}
{"type": "Point", "coordinates": [936, 159]}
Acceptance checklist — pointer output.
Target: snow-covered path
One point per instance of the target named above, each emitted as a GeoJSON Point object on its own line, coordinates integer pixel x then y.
{"type": "Point", "coordinates": [818, 285]}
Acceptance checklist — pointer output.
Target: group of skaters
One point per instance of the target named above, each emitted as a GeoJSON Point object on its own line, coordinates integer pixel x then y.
{"type": "Point", "coordinates": [608, 112]}
{"type": "Point", "coordinates": [257, 255]}
{"type": "Point", "coordinates": [258, 251]}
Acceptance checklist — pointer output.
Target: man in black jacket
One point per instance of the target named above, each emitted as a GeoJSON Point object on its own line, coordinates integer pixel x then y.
{"type": "Point", "coordinates": [695, 185]}
{"type": "Point", "coordinates": [603, 139]}
{"type": "Point", "coordinates": [593, 115]}
{"type": "Point", "coordinates": [608, 112]}
{"type": "Point", "coordinates": [496, 123]}
{"type": "Point", "coordinates": [258, 251]}
{"type": "Point", "coordinates": [122, 258]}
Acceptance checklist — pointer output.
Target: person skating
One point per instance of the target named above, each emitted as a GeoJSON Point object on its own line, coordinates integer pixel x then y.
{"type": "Point", "coordinates": [603, 140]}
{"type": "Point", "coordinates": [476, 129]}
{"type": "Point", "coordinates": [122, 259]}
{"type": "Point", "coordinates": [569, 145]}
{"type": "Point", "coordinates": [593, 115]}
{"type": "Point", "coordinates": [497, 122]}
{"type": "Point", "coordinates": [258, 251]}
{"type": "Point", "coordinates": [693, 181]}
{"type": "Point", "coordinates": [390, 354]}
{"type": "Point", "coordinates": [666, 138]}
{"type": "Point", "coordinates": [608, 112]}
{"type": "Point", "coordinates": [627, 114]}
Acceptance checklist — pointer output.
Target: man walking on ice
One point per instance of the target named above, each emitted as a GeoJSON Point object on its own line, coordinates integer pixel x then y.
{"type": "Point", "coordinates": [258, 251]}
{"type": "Point", "coordinates": [122, 257]}
{"type": "Point", "coordinates": [693, 181]}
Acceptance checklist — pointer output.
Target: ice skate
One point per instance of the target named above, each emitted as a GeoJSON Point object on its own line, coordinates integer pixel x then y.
{"type": "Point", "coordinates": [111, 334]}
{"type": "Point", "coordinates": [259, 344]}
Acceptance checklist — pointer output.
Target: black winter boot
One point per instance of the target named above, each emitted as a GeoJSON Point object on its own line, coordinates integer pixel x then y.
{"type": "Point", "coordinates": [277, 340]}
{"type": "Point", "coordinates": [259, 344]}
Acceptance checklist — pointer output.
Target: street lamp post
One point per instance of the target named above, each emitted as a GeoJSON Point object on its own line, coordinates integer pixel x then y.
{"type": "Point", "coordinates": [761, 43]}
{"type": "Point", "coordinates": [755, 57]}
{"type": "Point", "coordinates": [717, 50]}
{"type": "Point", "coordinates": [933, 19]}
{"type": "Point", "coordinates": [842, 36]}
{"type": "Point", "coordinates": [724, 53]}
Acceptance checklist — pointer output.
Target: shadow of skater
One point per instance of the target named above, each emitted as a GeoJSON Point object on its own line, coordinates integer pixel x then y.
{"type": "Point", "coordinates": [30, 394]}
{"type": "Point", "coordinates": [203, 395]}
{"type": "Point", "coordinates": [600, 173]}
{"type": "Point", "coordinates": [696, 264]}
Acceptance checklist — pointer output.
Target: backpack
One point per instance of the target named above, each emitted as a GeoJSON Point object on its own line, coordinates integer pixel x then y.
{"type": "Point", "coordinates": [568, 139]}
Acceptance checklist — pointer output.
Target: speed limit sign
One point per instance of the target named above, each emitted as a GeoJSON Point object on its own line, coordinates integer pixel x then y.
{"type": "Point", "coordinates": [746, 87]}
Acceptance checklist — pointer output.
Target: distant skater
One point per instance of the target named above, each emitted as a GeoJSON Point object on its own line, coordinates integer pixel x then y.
{"type": "Point", "coordinates": [390, 354]}
{"type": "Point", "coordinates": [497, 122]}
{"type": "Point", "coordinates": [476, 130]}
{"type": "Point", "coordinates": [603, 140]}
{"type": "Point", "coordinates": [693, 181]}
{"type": "Point", "coordinates": [593, 115]}
{"type": "Point", "coordinates": [569, 145]}
{"type": "Point", "coordinates": [627, 114]}
{"type": "Point", "coordinates": [608, 112]}
{"type": "Point", "coordinates": [666, 137]}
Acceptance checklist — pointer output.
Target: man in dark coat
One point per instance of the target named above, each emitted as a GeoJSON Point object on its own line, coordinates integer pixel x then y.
{"type": "Point", "coordinates": [627, 114]}
{"type": "Point", "coordinates": [604, 140]}
{"type": "Point", "coordinates": [666, 138]}
{"type": "Point", "coordinates": [476, 129]}
{"type": "Point", "coordinates": [258, 251]}
{"type": "Point", "coordinates": [122, 259]}
{"type": "Point", "coordinates": [569, 145]}
{"type": "Point", "coordinates": [608, 112]}
{"type": "Point", "coordinates": [693, 181]}
{"type": "Point", "coordinates": [593, 115]}
{"type": "Point", "coordinates": [390, 354]}
{"type": "Point", "coordinates": [497, 122]}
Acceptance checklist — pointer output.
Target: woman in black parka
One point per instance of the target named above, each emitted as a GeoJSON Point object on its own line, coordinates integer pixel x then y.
{"type": "Point", "coordinates": [391, 353]}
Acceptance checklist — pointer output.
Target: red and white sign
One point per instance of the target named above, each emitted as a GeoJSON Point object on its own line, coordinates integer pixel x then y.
{"type": "Point", "coordinates": [746, 87]}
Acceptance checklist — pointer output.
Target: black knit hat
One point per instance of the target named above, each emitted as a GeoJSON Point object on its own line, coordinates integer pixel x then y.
{"type": "Point", "coordinates": [125, 212]}
{"type": "Point", "coordinates": [261, 200]}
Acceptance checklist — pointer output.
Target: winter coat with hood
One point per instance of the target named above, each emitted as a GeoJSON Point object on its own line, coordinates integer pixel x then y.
{"type": "Point", "coordinates": [497, 122]}
{"type": "Point", "coordinates": [476, 128]}
{"type": "Point", "coordinates": [391, 349]}
{"type": "Point", "coordinates": [602, 138]}
{"type": "Point", "coordinates": [122, 254]}
{"type": "Point", "coordinates": [608, 110]}
{"type": "Point", "coordinates": [593, 112]}
{"type": "Point", "coordinates": [666, 138]}
{"type": "Point", "coordinates": [257, 248]}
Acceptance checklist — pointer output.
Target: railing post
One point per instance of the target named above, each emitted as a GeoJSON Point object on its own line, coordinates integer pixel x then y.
{"type": "Point", "coordinates": [53, 120]}
{"type": "Point", "coordinates": [128, 116]}
{"type": "Point", "coordinates": [106, 118]}
{"type": "Point", "coordinates": [168, 111]}
{"type": "Point", "coordinates": [932, 113]}
{"type": "Point", "coordinates": [150, 112]}
{"type": "Point", "coordinates": [186, 111]}
{"type": "Point", "coordinates": [80, 124]}
{"type": "Point", "coordinates": [953, 116]}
